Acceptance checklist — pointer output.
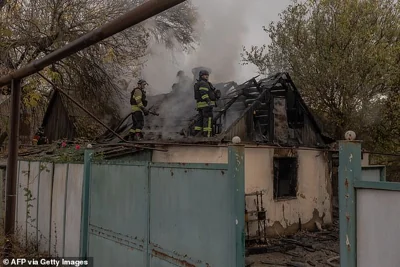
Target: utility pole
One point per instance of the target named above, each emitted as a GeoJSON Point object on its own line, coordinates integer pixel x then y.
{"type": "Point", "coordinates": [11, 182]}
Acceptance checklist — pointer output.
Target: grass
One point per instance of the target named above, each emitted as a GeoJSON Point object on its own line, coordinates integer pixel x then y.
{"type": "Point", "coordinates": [19, 251]}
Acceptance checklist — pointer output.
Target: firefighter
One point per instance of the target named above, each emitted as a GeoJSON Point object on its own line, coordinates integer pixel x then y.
{"type": "Point", "coordinates": [40, 138]}
{"type": "Point", "coordinates": [139, 103]}
{"type": "Point", "coordinates": [206, 98]}
{"type": "Point", "coordinates": [184, 81]}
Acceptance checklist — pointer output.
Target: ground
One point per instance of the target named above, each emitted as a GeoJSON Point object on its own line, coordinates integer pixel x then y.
{"type": "Point", "coordinates": [17, 251]}
{"type": "Point", "coordinates": [303, 249]}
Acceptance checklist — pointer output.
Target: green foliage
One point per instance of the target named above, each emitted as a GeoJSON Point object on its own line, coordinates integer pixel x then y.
{"type": "Point", "coordinates": [28, 199]}
{"type": "Point", "coordinates": [388, 129]}
{"type": "Point", "coordinates": [343, 55]}
{"type": "Point", "coordinates": [31, 96]}
{"type": "Point", "coordinates": [386, 136]}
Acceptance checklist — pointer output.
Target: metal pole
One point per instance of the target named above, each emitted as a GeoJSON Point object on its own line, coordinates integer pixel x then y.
{"type": "Point", "coordinates": [236, 170]}
{"type": "Point", "coordinates": [349, 171]}
{"type": "Point", "coordinates": [12, 163]}
{"type": "Point", "coordinates": [133, 17]}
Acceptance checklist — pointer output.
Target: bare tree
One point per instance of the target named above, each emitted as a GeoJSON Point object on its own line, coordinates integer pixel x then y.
{"type": "Point", "coordinates": [31, 29]}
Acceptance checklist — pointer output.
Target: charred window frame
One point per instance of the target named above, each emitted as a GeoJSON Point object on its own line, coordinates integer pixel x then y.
{"type": "Point", "coordinates": [285, 177]}
{"type": "Point", "coordinates": [295, 112]}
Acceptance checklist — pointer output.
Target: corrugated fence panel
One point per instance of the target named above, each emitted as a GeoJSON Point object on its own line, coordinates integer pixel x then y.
{"type": "Point", "coordinates": [378, 238]}
{"type": "Point", "coordinates": [32, 202]}
{"type": "Point", "coordinates": [190, 209]}
{"type": "Point", "coordinates": [58, 209]}
{"type": "Point", "coordinates": [45, 180]}
{"type": "Point", "coordinates": [49, 203]}
{"type": "Point", "coordinates": [118, 215]}
{"type": "Point", "coordinates": [369, 212]}
{"type": "Point", "coordinates": [164, 215]}
{"type": "Point", "coordinates": [73, 210]}
{"type": "Point", "coordinates": [22, 185]}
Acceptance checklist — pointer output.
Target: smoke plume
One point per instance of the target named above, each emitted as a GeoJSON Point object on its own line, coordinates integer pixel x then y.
{"type": "Point", "coordinates": [221, 29]}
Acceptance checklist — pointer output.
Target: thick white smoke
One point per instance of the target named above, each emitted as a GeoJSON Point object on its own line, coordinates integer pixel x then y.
{"type": "Point", "coordinates": [222, 33]}
{"type": "Point", "coordinates": [221, 29]}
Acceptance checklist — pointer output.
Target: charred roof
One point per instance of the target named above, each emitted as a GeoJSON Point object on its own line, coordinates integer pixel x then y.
{"type": "Point", "coordinates": [268, 111]}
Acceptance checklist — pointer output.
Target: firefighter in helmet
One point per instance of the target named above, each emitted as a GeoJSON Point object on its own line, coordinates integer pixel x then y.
{"type": "Point", "coordinates": [139, 103]}
{"type": "Point", "coordinates": [206, 97]}
{"type": "Point", "coordinates": [40, 138]}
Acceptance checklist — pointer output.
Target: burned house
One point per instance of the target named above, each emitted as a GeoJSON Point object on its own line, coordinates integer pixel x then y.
{"type": "Point", "coordinates": [287, 167]}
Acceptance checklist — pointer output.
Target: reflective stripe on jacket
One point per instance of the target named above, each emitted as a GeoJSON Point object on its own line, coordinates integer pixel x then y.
{"type": "Point", "coordinates": [205, 92]}
{"type": "Point", "coordinates": [137, 99]}
{"type": "Point", "coordinates": [202, 104]}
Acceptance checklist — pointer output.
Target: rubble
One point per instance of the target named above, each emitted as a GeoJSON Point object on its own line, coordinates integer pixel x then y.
{"type": "Point", "coordinates": [303, 249]}
{"type": "Point", "coordinates": [73, 151]}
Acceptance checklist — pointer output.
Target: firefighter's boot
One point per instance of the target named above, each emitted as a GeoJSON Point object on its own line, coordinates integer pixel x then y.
{"type": "Point", "coordinates": [138, 136]}
{"type": "Point", "coordinates": [130, 137]}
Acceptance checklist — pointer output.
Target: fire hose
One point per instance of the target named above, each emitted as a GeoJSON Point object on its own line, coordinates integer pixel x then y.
{"type": "Point", "coordinates": [153, 112]}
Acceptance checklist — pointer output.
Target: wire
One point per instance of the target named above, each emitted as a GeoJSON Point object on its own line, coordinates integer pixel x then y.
{"type": "Point", "coordinates": [374, 153]}
{"type": "Point", "coordinates": [320, 149]}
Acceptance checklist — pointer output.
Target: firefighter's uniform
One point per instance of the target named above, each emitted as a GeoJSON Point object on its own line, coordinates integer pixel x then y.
{"type": "Point", "coordinates": [40, 138]}
{"type": "Point", "coordinates": [139, 103]}
{"type": "Point", "coordinates": [205, 97]}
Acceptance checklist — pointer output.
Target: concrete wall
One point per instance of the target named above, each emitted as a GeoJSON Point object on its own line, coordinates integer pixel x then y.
{"type": "Point", "coordinates": [49, 207]}
{"type": "Point", "coordinates": [313, 202]}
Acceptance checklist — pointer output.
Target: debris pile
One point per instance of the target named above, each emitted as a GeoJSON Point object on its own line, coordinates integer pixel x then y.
{"type": "Point", "coordinates": [73, 151]}
{"type": "Point", "coordinates": [303, 249]}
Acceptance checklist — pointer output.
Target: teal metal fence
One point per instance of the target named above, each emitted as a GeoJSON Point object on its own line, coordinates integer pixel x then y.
{"type": "Point", "coordinates": [161, 214]}
{"type": "Point", "coordinates": [368, 211]}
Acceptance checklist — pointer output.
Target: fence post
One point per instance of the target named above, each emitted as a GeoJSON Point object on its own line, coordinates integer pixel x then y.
{"type": "Point", "coordinates": [236, 174]}
{"type": "Point", "coordinates": [85, 203]}
{"type": "Point", "coordinates": [349, 171]}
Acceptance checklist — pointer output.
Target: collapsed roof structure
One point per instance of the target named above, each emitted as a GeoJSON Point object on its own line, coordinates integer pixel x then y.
{"type": "Point", "coordinates": [268, 111]}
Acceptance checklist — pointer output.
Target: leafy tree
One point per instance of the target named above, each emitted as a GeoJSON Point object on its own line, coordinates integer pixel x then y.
{"type": "Point", "coordinates": [32, 29]}
{"type": "Point", "coordinates": [343, 55]}
{"type": "Point", "coordinates": [386, 135]}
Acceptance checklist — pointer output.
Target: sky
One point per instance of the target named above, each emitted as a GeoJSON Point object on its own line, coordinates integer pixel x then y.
{"type": "Point", "coordinates": [261, 12]}
{"type": "Point", "coordinates": [255, 15]}
{"type": "Point", "coordinates": [225, 26]}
